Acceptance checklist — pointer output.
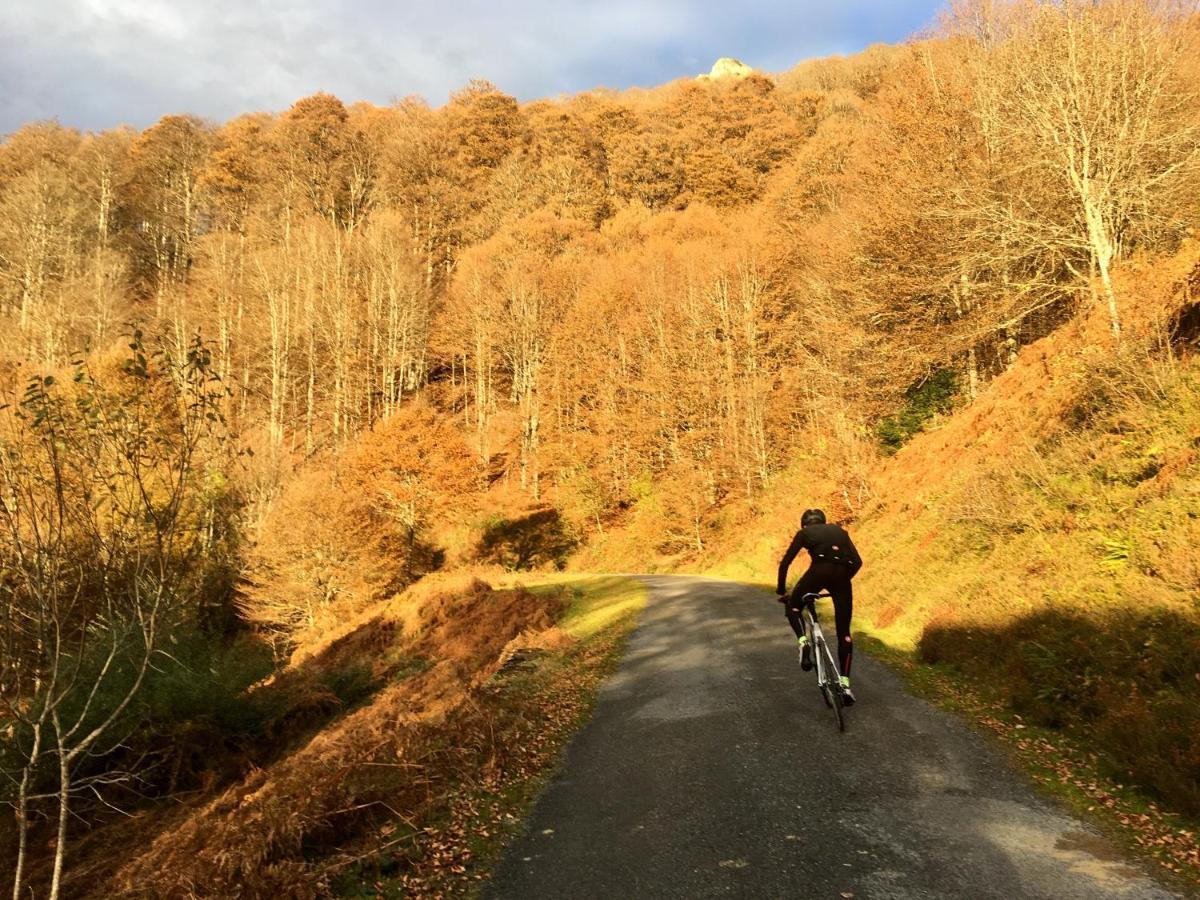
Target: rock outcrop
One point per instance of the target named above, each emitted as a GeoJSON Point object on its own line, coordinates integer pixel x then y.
{"type": "Point", "coordinates": [726, 67]}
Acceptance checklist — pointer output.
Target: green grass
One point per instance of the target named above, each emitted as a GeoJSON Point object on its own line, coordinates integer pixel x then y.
{"type": "Point", "coordinates": [598, 604]}
{"type": "Point", "coordinates": [925, 400]}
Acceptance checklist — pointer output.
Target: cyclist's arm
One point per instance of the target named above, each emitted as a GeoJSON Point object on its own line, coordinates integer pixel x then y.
{"type": "Point", "coordinates": [854, 559]}
{"type": "Point", "coordinates": [796, 546]}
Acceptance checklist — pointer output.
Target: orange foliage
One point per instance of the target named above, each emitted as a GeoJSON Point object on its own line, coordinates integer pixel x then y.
{"type": "Point", "coordinates": [251, 837]}
{"type": "Point", "coordinates": [606, 309]}
{"type": "Point", "coordinates": [339, 537]}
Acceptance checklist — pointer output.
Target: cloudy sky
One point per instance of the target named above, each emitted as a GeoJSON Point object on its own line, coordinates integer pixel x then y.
{"type": "Point", "coordinates": [97, 63]}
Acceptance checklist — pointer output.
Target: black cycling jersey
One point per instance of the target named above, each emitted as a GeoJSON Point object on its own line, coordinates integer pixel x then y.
{"type": "Point", "coordinates": [825, 544]}
{"type": "Point", "coordinates": [835, 561]}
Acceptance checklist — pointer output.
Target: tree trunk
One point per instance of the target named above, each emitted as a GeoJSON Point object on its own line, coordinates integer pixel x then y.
{"type": "Point", "coordinates": [22, 811]}
{"type": "Point", "coordinates": [64, 811]}
{"type": "Point", "coordinates": [1114, 316]}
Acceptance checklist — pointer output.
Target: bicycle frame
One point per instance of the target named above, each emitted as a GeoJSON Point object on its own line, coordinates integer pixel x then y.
{"type": "Point", "coordinates": [828, 674]}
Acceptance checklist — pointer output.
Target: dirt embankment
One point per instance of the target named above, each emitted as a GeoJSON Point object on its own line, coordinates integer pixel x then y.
{"type": "Point", "coordinates": [273, 832]}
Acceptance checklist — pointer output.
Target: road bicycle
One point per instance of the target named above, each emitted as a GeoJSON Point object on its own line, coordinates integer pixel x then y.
{"type": "Point", "coordinates": [828, 674]}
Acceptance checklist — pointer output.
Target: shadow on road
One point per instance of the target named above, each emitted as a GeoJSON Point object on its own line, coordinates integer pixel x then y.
{"type": "Point", "coordinates": [712, 768]}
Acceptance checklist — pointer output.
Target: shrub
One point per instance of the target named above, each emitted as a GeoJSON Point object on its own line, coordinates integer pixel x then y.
{"type": "Point", "coordinates": [112, 528]}
{"type": "Point", "coordinates": [538, 538]}
{"type": "Point", "coordinates": [1125, 678]}
{"type": "Point", "coordinates": [932, 396]}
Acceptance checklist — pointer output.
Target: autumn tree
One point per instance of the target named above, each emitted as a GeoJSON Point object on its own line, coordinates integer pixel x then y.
{"type": "Point", "coordinates": [324, 168]}
{"type": "Point", "coordinates": [398, 314]}
{"type": "Point", "coordinates": [161, 200]}
{"type": "Point", "coordinates": [646, 166]}
{"type": "Point", "coordinates": [338, 537]}
{"type": "Point", "coordinates": [1094, 128]}
{"type": "Point", "coordinates": [509, 293]}
{"type": "Point", "coordinates": [36, 231]}
{"type": "Point", "coordinates": [98, 170]}
{"type": "Point", "coordinates": [62, 276]}
{"type": "Point", "coordinates": [486, 125]}
{"type": "Point", "coordinates": [232, 183]}
{"type": "Point", "coordinates": [418, 178]}
{"type": "Point", "coordinates": [234, 172]}
{"type": "Point", "coordinates": [730, 133]}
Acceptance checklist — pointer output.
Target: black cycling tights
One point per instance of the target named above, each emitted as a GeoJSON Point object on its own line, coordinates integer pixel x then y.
{"type": "Point", "coordinates": [833, 578]}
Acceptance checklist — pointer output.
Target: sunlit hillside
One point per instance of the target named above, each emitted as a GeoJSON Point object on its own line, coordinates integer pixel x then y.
{"type": "Point", "coordinates": [1042, 537]}
{"type": "Point", "coordinates": [315, 421]}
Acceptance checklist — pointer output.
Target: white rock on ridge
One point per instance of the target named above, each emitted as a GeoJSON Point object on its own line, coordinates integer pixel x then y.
{"type": "Point", "coordinates": [727, 67]}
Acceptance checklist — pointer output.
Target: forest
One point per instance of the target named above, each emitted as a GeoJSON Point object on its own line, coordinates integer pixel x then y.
{"type": "Point", "coordinates": [259, 375]}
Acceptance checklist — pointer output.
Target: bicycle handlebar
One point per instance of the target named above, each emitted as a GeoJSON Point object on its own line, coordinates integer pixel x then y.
{"type": "Point", "coordinates": [820, 596]}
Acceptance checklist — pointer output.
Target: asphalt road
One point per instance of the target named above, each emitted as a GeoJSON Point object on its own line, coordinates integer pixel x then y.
{"type": "Point", "coordinates": [712, 769]}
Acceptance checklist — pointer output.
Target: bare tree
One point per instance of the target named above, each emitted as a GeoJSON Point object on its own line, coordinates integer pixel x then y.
{"type": "Point", "coordinates": [102, 524]}
{"type": "Point", "coordinates": [1092, 129]}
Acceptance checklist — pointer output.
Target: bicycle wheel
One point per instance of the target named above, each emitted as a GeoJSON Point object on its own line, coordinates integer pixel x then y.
{"type": "Point", "coordinates": [835, 689]}
{"type": "Point", "coordinates": [821, 657]}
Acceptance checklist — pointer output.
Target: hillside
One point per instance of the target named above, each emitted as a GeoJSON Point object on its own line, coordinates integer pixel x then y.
{"type": "Point", "coordinates": [1003, 575]}
{"type": "Point", "coordinates": [304, 414]}
{"type": "Point", "coordinates": [1044, 541]}
{"type": "Point", "coordinates": [1041, 541]}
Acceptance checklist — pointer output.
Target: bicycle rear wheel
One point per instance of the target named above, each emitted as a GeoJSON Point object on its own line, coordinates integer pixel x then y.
{"type": "Point", "coordinates": [820, 655]}
{"type": "Point", "coordinates": [834, 689]}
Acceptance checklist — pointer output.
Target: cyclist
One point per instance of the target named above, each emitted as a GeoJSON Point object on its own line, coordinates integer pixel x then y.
{"type": "Point", "coordinates": [834, 562]}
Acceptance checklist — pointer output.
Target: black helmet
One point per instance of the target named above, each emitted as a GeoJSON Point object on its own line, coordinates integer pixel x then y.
{"type": "Point", "coordinates": [812, 517]}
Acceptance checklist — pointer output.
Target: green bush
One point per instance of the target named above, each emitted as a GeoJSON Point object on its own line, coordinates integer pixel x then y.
{"type": "Point", "coordinates": [206, 678]}
{"type": "Point", "coordinates": [351, 685]}
{"type": "Point", "coordinates": [195, 706]}
{"type": "Point", "coordinates": [930, 397]}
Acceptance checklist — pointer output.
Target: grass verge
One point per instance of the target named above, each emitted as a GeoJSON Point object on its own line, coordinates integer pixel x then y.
{"type": "Point", "coordinates": [534, 707]}
{"type": "Point", "coordinates": [1057, 765]}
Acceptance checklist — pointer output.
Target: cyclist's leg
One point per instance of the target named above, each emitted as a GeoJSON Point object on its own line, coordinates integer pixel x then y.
{"type": "Point", "coordinates": [794, 618]}
{"type": "Point", "coordinates": [843, 610]}
{"type": "Point", "coordinates": [809, 583]}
